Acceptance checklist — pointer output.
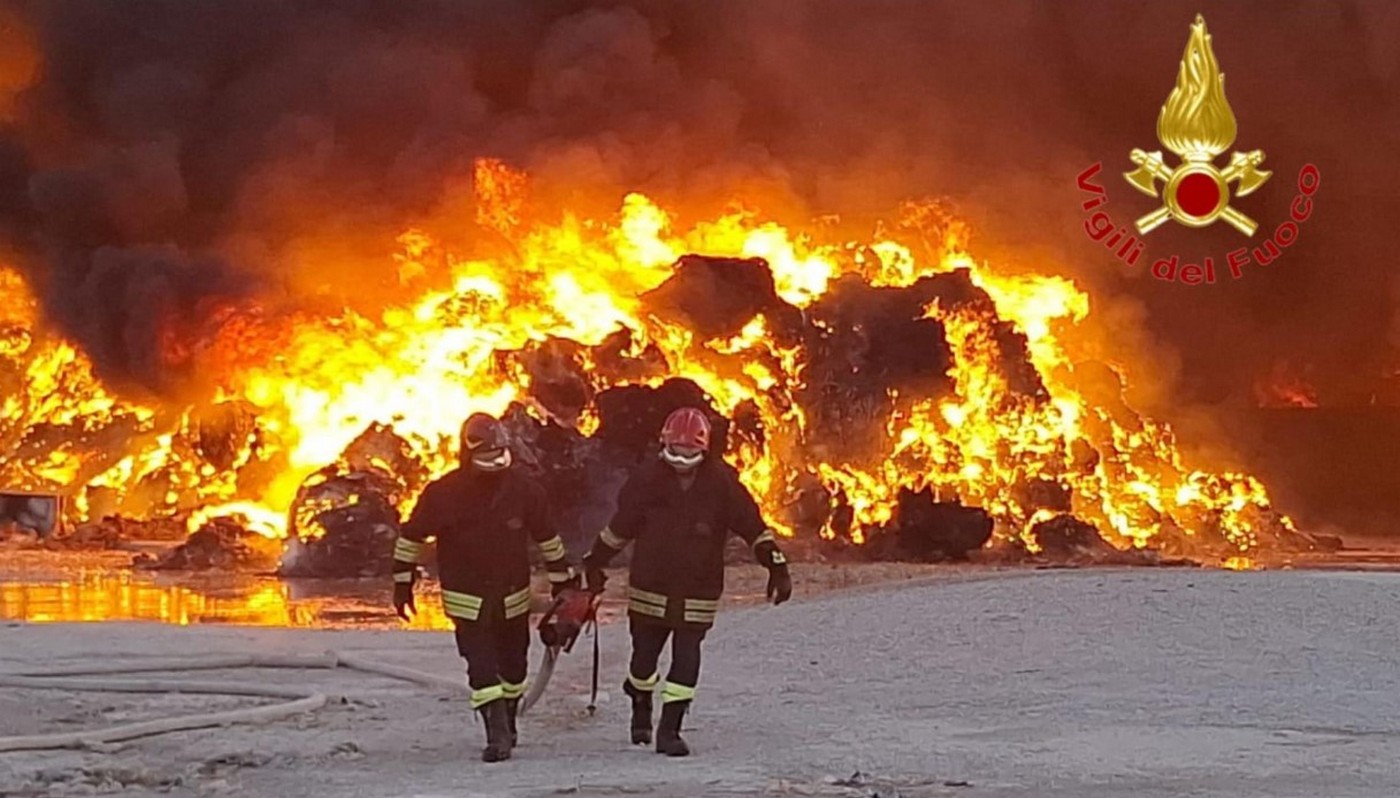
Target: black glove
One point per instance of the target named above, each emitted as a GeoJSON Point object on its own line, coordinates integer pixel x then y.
{"type": "Point", "coordinates": [403, 599]}
{"type": "Point", "coordinates": [779, 584]}
{"type": "Point", "coordinates": [594, 577]}
{"type": "Point", "coordinates": [574, 582]}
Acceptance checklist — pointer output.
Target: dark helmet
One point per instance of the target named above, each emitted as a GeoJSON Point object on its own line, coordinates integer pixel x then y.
{"type": "Point", "coordinates": [685, 438]}
{"type": "Point", "coordinates": [485, 443]}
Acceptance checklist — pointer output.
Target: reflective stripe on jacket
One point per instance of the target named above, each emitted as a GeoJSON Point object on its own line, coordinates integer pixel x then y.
{"type": "Point", "coordinates": [679, 534]}
{"type": "Point", "coordinates": [484, 524]}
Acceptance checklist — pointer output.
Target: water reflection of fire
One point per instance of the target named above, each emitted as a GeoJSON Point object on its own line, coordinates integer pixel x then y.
{"type": "Point", "coordinates": [1012, 415]}
{"type": "Point", "coordinates": [122, 596]}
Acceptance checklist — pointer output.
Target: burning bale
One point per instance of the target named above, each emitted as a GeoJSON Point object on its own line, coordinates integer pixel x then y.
{"type": "Point", "coordinates": [558, 378]}
{"type": "Point", "coordinates": [884, 335]}
{"type": "Point", "coordinates": [379, 449]}
{"type": "Point", "coordinates": [716, 298]}
{"type": "Point", "coordinates": [1039, 493]}
{"type": "Point", "coordinates": [1066, 540]}
{"type": "Point", "coordinates": [851, 381]}
{"type": "Point", "coordinates": [628, 358]}
{"type": "Point", "coordinates": [345, 517]}
{"type": "Point", "coordinates": [342, 525]}
{"type": "Point", "coordinates": [1067, 537]}
{"type": "Point", "coordinates": [931, 530]}
{"type": "Point", "coordinates": [223, 544]}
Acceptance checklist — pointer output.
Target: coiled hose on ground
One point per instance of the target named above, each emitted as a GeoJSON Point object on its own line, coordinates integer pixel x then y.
{"type": "Point", "coordinates": [300, 700]}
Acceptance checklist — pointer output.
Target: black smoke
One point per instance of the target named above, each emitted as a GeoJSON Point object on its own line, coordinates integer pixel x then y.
{"type": "Point", "coordinates": [169, 159]}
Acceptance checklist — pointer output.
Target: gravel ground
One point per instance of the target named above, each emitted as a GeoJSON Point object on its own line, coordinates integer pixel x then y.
{"type": "Point", "coordinates": [1053, 684]}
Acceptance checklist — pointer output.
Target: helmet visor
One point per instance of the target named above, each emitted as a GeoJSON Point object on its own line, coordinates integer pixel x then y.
{"type": "Point", "coordinates": [494, 459]}
{"type": "Point", "coordinates": [681, 456]}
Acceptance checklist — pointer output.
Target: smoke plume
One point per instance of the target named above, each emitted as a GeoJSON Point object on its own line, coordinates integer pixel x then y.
{"type": "Point", "coordinates": [162, 162]}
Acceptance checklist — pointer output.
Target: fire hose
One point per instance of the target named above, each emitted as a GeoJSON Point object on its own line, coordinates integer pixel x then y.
{"type": "Point", "coordinates": [301, 700]}
{"type": "Point", "coordinates": [573, 611]}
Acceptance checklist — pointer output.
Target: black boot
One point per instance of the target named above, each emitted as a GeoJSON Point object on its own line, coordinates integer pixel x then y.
{"type": "Point", "coordinates": [641, 713]}
{"type": "Point", "coordinates": [497, 732]}
{"type": "Point", "coordinates": [668, 732]}
{"type": "Point", "coordinates": [512, 709]}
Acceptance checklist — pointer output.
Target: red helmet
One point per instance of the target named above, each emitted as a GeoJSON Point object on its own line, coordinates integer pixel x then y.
{"type": "Point", "coordinates": [685, 437]}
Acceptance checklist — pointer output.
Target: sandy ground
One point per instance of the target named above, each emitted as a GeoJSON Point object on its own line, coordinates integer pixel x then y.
{"type": "Point", "coordinates": [1054, 684]}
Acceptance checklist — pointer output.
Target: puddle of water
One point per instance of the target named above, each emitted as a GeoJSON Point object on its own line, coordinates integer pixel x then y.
{"type": "Point", "coordinates": [134, 596]}
{"type": "Point", "coordinates": [104, 593]}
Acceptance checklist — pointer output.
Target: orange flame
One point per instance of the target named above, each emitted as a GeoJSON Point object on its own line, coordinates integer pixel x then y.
{"type": "Point", "coordinates": [422, 366]}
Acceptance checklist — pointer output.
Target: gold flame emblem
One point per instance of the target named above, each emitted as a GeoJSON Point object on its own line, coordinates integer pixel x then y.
{"type": "Point", "coordinates": [1197, 124]}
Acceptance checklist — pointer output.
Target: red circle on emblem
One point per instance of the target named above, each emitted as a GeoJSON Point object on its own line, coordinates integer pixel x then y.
{"type": "Point", "coordinates": [1197, 194]}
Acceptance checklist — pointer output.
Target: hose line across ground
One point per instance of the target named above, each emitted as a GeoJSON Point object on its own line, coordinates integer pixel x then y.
{"type": "Point", "coordinates": [300, 700]}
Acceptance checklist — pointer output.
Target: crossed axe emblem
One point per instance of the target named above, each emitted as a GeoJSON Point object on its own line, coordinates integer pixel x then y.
{"type": "Point", "coordinates": [1196, 193]}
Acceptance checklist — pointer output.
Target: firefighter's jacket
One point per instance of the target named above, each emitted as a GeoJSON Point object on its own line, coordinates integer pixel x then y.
{"type": "Point", "coordinates": [679, 535]}
{"type": "Point", "coordinates": [484, 524]}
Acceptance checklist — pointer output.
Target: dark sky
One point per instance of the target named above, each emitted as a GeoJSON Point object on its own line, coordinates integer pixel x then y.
{"type": "Point", "coordinates": [157, 158]}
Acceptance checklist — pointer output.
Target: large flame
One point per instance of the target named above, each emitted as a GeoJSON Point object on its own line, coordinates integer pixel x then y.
{"type": "Point", "coordinates": [1196, 122]}
{"type": "Point", "coordinates": [297, 391]}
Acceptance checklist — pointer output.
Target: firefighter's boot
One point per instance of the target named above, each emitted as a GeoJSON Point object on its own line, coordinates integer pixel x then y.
{"type": "Point", "coordinates": [497, 732]}
{"type": "Point", "coordinates": [641, 713]}
{"type": "Point", "coordinates": [668, 731]}
{"type": "Point", "coordinates": [512, 710]}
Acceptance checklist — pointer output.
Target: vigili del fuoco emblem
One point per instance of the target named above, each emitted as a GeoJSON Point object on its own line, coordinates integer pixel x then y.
{"type": "Point", "coordinates": [1197, 124]}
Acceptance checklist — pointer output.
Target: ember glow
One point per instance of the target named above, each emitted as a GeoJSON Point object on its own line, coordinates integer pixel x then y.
{"type": "Point", "coordinates": [1285, 386]}
{"type": "Point", "coordinates": [295, 391]}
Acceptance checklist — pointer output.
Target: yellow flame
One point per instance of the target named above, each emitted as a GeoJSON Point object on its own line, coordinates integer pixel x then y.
{"type": "Point", "coordinates": [253, 517]}
{"type": "Point", "coordinates": [1011, 439]}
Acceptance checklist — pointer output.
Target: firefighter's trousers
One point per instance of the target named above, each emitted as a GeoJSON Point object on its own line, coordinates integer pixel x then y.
{"type": "Point", "coordinates": [648, 640]}
{"type": "Point", "coordinates": [496, 650]}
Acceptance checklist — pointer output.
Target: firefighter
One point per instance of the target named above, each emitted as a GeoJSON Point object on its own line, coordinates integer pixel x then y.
{"type": "Point", "coordinates": [485, 515]}
{"type": "Point", "coordinates": [679, 511]}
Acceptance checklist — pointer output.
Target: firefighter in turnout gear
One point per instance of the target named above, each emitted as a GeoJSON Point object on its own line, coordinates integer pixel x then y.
{"type": "Point", "coordinates": [484, 515]}
{"type": "Point", "coordinates": [678, 512]}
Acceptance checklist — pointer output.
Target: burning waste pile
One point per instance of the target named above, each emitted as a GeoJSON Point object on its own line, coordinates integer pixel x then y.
{"type": "Point", "coordinates": [887, 397]}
